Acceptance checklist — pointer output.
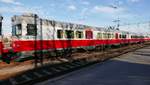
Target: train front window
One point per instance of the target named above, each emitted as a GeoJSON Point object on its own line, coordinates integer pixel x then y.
{"type": "Point", "coordinates": [31, 30]}
{"type": "Point", "coordinates": [17, 30]}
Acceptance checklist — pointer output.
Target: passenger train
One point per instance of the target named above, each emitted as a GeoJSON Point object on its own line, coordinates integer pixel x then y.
{"type": "Point", "coordinates": [31, 33]}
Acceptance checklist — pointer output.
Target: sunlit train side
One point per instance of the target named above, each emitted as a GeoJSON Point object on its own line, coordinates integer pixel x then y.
{"type": "Point", "coordinates": [30, 33]}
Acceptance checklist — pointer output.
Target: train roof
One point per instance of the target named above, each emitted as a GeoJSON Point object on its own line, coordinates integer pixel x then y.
{"type": "Point", "coordinates": [71, 25]}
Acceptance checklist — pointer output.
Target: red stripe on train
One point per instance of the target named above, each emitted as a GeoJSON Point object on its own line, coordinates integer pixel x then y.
{"type": "Point", "coordinates": [56, 44]}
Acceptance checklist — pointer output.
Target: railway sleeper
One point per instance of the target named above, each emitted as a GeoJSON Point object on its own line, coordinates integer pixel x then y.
{"type": "Point", "coordinates": [62, 68]}
{"type": "Point", "coordinates": [55, 69]}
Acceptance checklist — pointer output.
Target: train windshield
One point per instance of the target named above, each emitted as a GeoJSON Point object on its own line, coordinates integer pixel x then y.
{"type": "Point", "coordinates": [17, 30]}
{"type": "Point", "coordinates": [31, 30]}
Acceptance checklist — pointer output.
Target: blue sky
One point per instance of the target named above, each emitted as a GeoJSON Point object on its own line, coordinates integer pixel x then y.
{"type": "Point", "coordinates": [89, 12]}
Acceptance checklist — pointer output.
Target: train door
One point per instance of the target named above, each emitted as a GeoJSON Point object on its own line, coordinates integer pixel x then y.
{"type": "Point", "coordinates": [89, 34]}
{"type": "Point", "coordinates": [116, 35]}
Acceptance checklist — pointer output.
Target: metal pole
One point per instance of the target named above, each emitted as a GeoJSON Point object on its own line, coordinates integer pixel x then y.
{"type": "Point", "coordinates": [1, 18]}
{"type": "Point", "coordinates": [1, 49]}
{"type": "Point", "coordinates": [41, 47]}
{"type": "Point", "coordinates": [35, 46]}
{"type": "Point", "coordinates": [149, 25]}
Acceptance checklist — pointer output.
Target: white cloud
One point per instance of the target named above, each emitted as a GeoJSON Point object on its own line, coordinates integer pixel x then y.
{"type": "Point", "coordinates": [136, 27]}
{"type": "Point", "coordinates": [72, 7]}
{"type": "Point", "coordinates": [7, 1]}
{"type": "Point", "coordinates": [11, 2]}
{"type": "Point", "coordinates": [20, 9]}
{"type": "Point", "coordinates": [107, 9]}
{"type": "Point", "coordinates": [133, 1]}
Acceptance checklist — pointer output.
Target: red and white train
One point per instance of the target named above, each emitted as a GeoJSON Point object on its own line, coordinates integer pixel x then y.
{"type": "Point", "coordinates": [30, 33]}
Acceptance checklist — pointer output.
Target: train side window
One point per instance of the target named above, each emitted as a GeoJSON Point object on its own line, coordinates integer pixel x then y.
{"type": "Point", "coordinates": [109, 35]}
{"type": "Point", "coordinates": [79, 34]}
{"type": "Point", "coordinates": [120, 36]}
{"type": "Point", "coordinates": [104, 35]}
{"type": "Point", "coordinates": [69, 34]}
{"type": "Point", "coordinates": [99, 35]}
{"type": "Point", "coordinates": [17, 30]}
{"type": "Point", "coordinates": [124, 36]}
{"type": "Point", "coordinates": [31, 30]}
{"type": "Point", "coordinates": [89, 34]}
{"type": "Point", "coordinates": [113, 36]}
{"type": "Point", "coordinates": [59, 33]}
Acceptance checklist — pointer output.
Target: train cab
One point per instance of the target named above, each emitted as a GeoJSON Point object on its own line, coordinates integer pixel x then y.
{"type": "Point", "coordinates": [24, 30]}
{"type": "Point", "coordinates": [24, 26]}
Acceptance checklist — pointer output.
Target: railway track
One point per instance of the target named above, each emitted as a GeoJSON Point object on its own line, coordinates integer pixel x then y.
{"type": "Point", "coordinates": [46, 72]}
{"type": "Point", "coordinates": [54, 70]}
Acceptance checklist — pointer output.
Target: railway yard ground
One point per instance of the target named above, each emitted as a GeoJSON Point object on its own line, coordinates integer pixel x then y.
{"type": "Point", "coordinates": [123, 66]}
{"type": "Point", "coordinates": [129, 69]}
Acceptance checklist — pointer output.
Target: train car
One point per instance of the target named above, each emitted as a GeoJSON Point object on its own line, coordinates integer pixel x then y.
{"type": "Point", "coordinates": [31, 33]}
